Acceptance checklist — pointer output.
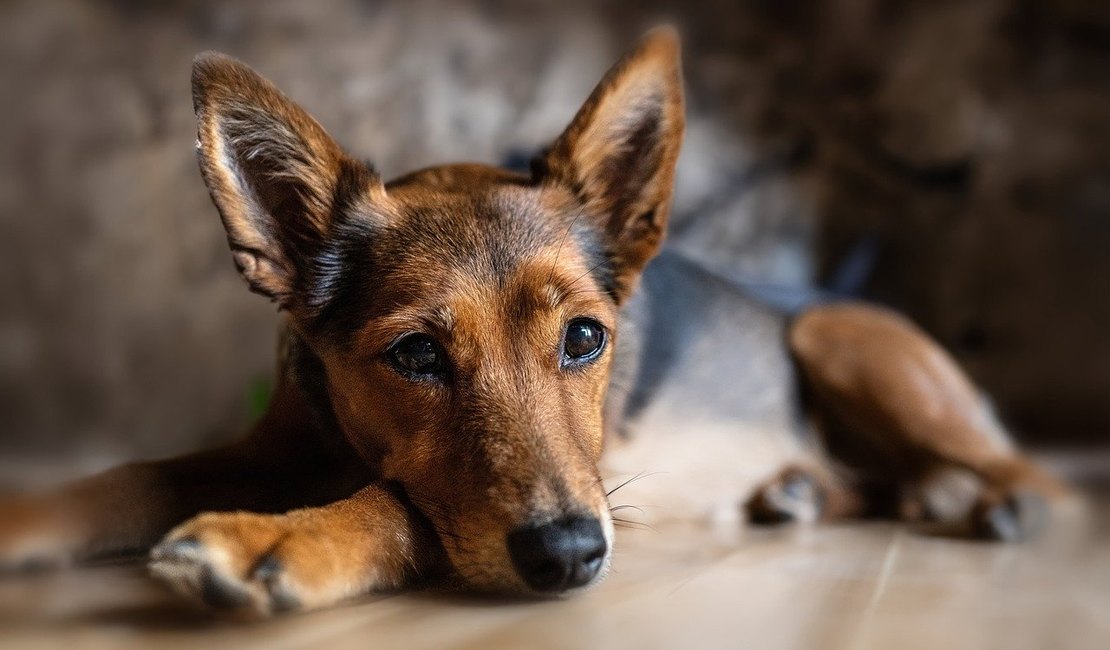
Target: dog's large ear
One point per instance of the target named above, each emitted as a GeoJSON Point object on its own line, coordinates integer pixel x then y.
{"type": "Point", "coordinates": [619, 153]}
{"type": "Point", "coordinates": [273, 172]}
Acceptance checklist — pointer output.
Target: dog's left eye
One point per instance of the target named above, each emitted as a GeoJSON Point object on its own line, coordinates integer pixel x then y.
{"type": "Point", "coordinates": [583, 340]}
{"type": "Point", "coordinates": [417, 354]}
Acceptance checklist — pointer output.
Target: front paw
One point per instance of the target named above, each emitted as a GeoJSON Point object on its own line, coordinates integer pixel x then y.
{"type": "Point", "coordinates": [258, 564]}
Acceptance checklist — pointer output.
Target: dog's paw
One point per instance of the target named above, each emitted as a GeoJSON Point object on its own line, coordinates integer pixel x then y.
{"type": "Point", "coordinates": [32, 537]}
{"type": "Point", "coordinates": [1012, 516]}
{"type": "Point", "coordinates": [794, 495]}
{"type": "Point", "coordinates": [255, 564]}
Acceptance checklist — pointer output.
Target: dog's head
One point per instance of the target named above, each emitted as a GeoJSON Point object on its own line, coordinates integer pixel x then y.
{"type": "Point", "coordinates": [465, 316]}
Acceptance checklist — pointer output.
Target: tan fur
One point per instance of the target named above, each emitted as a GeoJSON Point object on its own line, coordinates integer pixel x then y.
{"type": "Point", "coordinates": [495, 482]}
{"type": "Point", "coordinates": [361, 477]}
{"type": "Point", "coordinates": [881, 383]}
{"type": "Point", "coordinates": [305, 558]}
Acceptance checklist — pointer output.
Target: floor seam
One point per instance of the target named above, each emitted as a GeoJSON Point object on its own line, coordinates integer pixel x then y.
{"type": "Point", "coordinates": [880, 589]}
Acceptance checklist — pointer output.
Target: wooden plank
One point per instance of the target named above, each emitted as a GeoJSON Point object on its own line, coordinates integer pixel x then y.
{"type": "Point", "coordinates": [859, 586]}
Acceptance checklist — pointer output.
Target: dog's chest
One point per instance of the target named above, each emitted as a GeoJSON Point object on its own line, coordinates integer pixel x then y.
{"type": "Point", "coordinates": [703, 400]}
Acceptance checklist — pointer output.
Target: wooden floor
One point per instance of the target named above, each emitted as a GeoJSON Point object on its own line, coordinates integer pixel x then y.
{"type": "Point", "coordinates": [871, 585]}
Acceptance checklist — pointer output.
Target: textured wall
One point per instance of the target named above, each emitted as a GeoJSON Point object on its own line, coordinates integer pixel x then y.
{"type": "Point", "coordinates": [957, 152]}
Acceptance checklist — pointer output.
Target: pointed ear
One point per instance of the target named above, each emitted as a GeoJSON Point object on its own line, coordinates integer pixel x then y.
{"type": "Point", "coordinates": [619, 153]}
{"type": "Point", "coordinates": [273, 173]}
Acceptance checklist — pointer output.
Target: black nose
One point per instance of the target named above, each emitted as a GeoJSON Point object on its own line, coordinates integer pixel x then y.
{"type": "Point", "coordinates": [559, 555]}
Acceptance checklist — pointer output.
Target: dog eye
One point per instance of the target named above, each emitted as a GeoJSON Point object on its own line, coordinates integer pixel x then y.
{"type": "Point", "coordinates": [583, 340]}
{"type": "Point", "coordinates": [417, 354]}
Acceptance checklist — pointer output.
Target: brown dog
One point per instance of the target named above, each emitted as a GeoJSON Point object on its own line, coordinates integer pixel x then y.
{"type": "Point", "coordinates": [459, 344]}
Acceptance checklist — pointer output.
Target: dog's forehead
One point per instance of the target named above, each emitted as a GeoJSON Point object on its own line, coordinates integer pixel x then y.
{"type": "Point", "coordinates": [489, 239]}
{"type": "Point", "coordinates": [475, 237]}
{"type": "Point", "coordinates": [488, 229]}
{"type": "Point", "coordinates": [481, 226]}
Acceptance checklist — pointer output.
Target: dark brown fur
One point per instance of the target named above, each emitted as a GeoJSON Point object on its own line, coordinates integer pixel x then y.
{"type": "Point", "coordinates": [374, 479]}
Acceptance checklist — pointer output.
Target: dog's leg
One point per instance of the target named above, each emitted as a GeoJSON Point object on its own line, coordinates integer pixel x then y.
{"type": "Point", "coordinates": [304, 559]}
{"type": "Point", "coordinates": [279, 466]}
{"type": "Point", "coordinates": [805, 493]}
{"type": "Point", "coordinates": [120, 510]}
{"type": "Point", "coordinates": [907, 405]}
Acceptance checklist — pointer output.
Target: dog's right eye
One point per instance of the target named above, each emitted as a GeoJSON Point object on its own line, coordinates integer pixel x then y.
{"type": "Point", "coordinates": [417, 355]}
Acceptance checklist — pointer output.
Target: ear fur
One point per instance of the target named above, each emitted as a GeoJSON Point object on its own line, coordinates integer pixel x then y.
{"type": "Point", "coordinates": [273, 173]}
{"type": "Point", "coordinates": [619, 153]}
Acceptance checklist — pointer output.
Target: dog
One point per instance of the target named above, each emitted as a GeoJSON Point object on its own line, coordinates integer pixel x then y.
{"type": "Point", "coordinates": [461, 345]}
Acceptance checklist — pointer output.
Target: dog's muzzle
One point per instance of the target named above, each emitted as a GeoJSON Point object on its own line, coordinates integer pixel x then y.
{"type": "Point", "coordinates": [558, 555]}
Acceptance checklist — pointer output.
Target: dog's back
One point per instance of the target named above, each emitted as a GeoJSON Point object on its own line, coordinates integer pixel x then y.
{"type": "Point", "coordinates": [706, 350]}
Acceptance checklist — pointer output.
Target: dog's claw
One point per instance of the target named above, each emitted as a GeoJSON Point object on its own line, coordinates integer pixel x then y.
{"type": "Point", "coordinates": [201, 564]}
{"type": "Point", "coordinates": [271, 573]}
{"type": "Point", "coordinates": [1018, 516]}
{"type": "Point", "coordinates": [177, 549]}
{"type": "Point", "coordinates": [268, 569]}
{"type": "Point", "coordinates": [247, 563]}
{"type": "Point", "coordinates": [793, 495]}
{"type": "Point", "coordinates": [220, 593]}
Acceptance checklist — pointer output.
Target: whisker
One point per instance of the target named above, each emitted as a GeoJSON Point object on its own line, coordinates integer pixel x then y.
{"type": "Point", "coordinates": [592, 269]}
{"type": "Point", "coordinates": [625, 506]}
{"type": "Point", "coordinates": [639, 476]}
{"type": "Point", "coordinates": [559, 250]}
{"type": "Point", "coordinates": [610, 492]}
{"type": "Point", "coordinates": [633, 525]}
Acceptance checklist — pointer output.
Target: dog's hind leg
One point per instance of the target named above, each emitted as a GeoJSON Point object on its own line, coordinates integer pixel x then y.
{"type": "Point", "coordinates": [895, 406]}
{"type": "Point", "coordinates": [281, 465]}
{"type": "Point", "coordinates": [805, 493]}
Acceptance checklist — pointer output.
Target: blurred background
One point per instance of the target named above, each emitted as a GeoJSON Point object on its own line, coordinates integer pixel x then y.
{"type": "Point", "coordinates": [949, 158]}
